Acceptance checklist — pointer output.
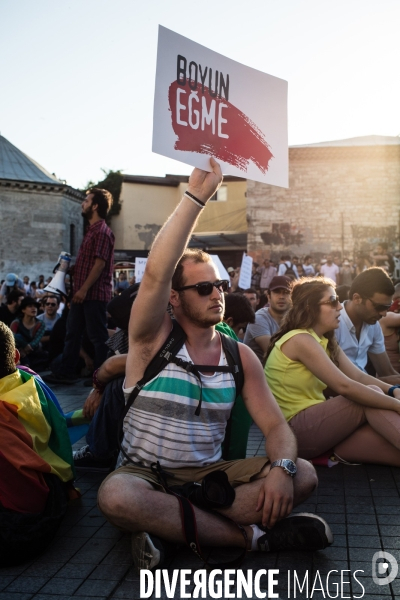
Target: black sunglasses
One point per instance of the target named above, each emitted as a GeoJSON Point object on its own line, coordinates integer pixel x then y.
{"type": "Point", "coordinates": [51, 304]}
{"type": "Point", "coordinates": [333, 301]}
{"type": "Point", "coordinates": [379, 307]}
{"type": "Point", "coordinates": [205, 288]}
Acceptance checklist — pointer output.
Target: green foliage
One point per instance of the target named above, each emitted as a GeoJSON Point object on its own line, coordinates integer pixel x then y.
{"type": "Point", "coordinates": [113, 183]}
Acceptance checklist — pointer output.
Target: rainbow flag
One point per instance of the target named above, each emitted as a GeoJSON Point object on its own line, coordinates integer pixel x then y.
{"type": "Point", "coordinates": [34, 440]}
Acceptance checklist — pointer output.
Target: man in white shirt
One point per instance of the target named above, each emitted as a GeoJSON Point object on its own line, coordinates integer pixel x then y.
{"type": "Point", "coordinates": [27, 286]}
{"type": "Point", "coordinates": [359, 334]}
{"type": "Point", "coordinates": [286, 267]}
{"type": "Point", "coordinates": [308, 268]}
{"type": "Point", "coordinates": [330, 269]}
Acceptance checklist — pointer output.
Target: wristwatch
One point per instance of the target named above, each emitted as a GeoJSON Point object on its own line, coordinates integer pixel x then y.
{"type": "Point", "coordinates": [391, 390]}
{"type": "Point", "coordinates": [287, 465]}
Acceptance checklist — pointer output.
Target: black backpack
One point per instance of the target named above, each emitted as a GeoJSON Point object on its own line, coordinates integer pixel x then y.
{"type": "Point", "coordinates": [290, 271]}
{"type": "Point", "coordinates": [167, 354]}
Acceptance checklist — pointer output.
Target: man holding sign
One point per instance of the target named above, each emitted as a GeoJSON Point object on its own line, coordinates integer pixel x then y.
{"type": "Point", "coordinates": [168, 440]}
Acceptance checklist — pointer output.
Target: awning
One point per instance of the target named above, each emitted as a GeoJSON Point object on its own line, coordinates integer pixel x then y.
{"type": "Point", "coordinates": [221, 241]}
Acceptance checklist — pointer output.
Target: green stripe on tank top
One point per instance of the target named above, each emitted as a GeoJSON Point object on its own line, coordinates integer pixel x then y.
{"type": "Point", "coordinates": [171, 385]}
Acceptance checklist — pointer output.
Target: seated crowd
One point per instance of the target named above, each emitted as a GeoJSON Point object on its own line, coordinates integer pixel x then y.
{"type": "Point", "coordinates": [194, 362]}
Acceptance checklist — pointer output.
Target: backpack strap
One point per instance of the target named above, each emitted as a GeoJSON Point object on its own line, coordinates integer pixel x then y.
{"type": "Point", "coordinates": [167, 354]}
{"type": "Point", "coordinates": [189, 524]}
{"type": "Point", "coordinates": [197, 369]}
{"type": "Point", "coordinates": [171, 346]}
{"type": "Point", "coordinates": [168, 350]}
{"type": "Point", "coordinates": [231, 349]}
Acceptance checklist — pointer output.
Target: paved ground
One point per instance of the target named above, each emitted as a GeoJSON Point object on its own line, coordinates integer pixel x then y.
{"type": "Point", "coordinates": [90, 559]}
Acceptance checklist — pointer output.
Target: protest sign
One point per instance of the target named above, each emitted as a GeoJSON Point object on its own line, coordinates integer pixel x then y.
{"type": "Point", "coordinates": [245, 272]}
{"type": "Point", "coordinates": [140, 265]}
{"type": "Point", "coordinates": [206, 104]}
{"type": "Point", "coordinates": [223, 273]}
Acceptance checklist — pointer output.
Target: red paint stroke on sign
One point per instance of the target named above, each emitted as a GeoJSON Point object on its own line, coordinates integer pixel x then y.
{"type": "Point", "coordinates": [216, 127]}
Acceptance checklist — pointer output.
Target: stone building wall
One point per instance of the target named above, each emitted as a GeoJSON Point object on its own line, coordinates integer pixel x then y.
{"type": "Point", "coordinates": [35, 226]}
{"type": "Point", "coordinates": [341, 200]}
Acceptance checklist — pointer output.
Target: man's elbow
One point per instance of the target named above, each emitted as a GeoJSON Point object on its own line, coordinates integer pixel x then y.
{"type": "Point", "coordinates": [114, 368]}
{"type": "Point", "coordinates": [100, 264]}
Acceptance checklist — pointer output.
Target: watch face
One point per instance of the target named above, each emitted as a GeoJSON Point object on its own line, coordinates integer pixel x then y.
{"type": "Point", "coordinates": [290, 466]}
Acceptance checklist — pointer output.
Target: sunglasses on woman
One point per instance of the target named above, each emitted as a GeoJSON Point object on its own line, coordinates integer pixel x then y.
{"type": "Point", "coordinates": [333, 301]}
{"type": "Point", "coordinates": [205, 288]}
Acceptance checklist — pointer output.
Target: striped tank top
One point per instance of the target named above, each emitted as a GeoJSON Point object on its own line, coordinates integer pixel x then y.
{"type": "Point", "coordinates": [161, 424]}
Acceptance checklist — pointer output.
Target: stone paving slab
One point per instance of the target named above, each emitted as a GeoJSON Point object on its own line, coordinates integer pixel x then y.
{"type": "Point", "coordinates": [90, 559]}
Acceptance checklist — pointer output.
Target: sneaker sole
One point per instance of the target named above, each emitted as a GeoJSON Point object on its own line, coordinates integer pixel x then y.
{"type": "Point", "coordinates": [328, 532]}
{"type": "Point", "coordinates": [144, 553]}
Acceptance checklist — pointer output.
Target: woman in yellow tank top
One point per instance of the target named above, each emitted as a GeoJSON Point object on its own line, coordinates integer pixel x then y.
{"type": "Point", "coordinates": [361, 423]}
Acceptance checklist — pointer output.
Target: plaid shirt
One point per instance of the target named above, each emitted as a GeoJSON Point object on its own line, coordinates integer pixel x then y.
{"type": "Point", "coordinates": [97, 243]}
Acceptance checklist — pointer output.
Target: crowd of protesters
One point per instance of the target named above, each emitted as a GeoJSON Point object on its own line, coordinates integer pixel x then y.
{"type": "Point", "coordinates": [322, 361]}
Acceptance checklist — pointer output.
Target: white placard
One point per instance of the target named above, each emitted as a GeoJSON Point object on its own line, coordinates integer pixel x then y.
{"type": "Point", "coordinates": [206, 104]}
{"type": "Point", "coordinates": [245, 272]}
{"type": "Point", "coordinates": [140, 265]}
{"type": "Point", "coordinates": [223, 273]}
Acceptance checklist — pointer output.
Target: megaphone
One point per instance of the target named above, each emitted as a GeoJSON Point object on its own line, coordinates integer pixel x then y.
{"type": "Point", "coordinates": [57, 284]}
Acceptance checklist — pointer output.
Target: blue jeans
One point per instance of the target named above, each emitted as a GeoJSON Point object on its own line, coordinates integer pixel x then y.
{"type": "Point", "coordinates": [91, 315]}
{"type": "Point", "coordinates": [105, 427]}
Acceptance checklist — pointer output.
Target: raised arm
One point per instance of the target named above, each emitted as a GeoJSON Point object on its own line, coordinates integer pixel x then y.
{"type": "Point", "coordinates": [148, 310]}
{"type": "Point", "coordinates": [149, 323]}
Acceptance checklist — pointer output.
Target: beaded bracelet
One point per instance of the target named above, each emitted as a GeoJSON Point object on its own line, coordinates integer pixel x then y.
{"type": "Point", "coordinates": [98, 385]}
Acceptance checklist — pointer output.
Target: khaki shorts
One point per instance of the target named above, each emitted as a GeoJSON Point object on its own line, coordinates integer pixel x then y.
{"type": "Point", "coordinates": [238, 472]}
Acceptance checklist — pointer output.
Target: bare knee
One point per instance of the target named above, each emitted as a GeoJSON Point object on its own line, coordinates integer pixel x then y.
{"type": "Point", "coordinates": [306, 480]}
{"type": "Point", "coordinates": [111, 497]}
{"type": "Point", "coordinates": [117, 495]}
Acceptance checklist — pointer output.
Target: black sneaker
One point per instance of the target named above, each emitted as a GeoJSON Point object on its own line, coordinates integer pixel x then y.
{"type": "Point", "coordinates": [84, 460]}
{"type": "Point", "coordinates": [148, 551]}
{"type": "Point", "coordinates": [299, 531]}
{"type": "Point", "coordinates": [53, 378]}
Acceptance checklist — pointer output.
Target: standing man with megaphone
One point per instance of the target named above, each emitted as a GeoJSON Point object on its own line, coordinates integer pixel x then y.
{"type": "Point", "coordinates": [92, 287]}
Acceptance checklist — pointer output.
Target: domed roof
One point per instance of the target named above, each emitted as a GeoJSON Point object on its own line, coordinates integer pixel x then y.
{"type": "Point", "coordinates": [17, 166]}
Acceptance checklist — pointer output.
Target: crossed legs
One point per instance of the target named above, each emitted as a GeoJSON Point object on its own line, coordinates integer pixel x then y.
{"type": "Point", "coordinates": [133, 504]}
{"type": "Point", "coordinates": [355, 432]}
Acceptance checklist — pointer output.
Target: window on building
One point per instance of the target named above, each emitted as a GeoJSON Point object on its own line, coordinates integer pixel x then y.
{"type": "Point", "coordinates": [221, 195]}
{"type": "Point", "coordinates": [72, 244]}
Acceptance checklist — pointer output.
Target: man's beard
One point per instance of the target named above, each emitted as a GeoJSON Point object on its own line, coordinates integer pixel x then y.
{"type": "Point", "coordinates": [196, 317]}
{"type": "Point", "coordinates": [88, 214]}
{"type": "Point", "coordinates": [280, 310]}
